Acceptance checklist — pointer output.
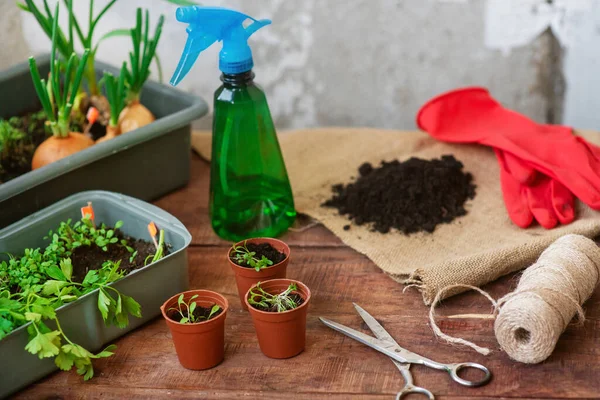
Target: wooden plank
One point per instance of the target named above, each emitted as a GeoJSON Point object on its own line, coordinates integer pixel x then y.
{"type": "Point", "coordinates": [111, 393]}
{"type": "Point", "coordinates": [145, 365]}
{"type": "Point", "coordinates": [190, 205]}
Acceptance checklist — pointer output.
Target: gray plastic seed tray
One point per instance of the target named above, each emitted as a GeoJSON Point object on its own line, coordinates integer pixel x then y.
{"type": "Point", "coordinates": [81, 320]}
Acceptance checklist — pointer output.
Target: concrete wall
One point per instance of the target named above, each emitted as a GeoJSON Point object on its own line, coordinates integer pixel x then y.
{"type": "Point", "coordinates": [367, 62]}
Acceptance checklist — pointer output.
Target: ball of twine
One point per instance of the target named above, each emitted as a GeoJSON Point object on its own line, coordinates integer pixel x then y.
{"type": "Point", "coordinates": [550, 293]}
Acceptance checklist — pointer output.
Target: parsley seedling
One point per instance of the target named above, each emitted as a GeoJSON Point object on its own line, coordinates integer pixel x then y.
{"type": "Point", "coordinates": [279, 302]}
{"type": "Point", "coordinates": [242, 255]}
{"type": "Point", "coordinates": [186, 310]}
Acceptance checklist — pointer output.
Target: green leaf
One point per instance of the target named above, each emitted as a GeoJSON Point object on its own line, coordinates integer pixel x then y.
{"type": "Point", "coordinates": [66, 267]}
{"type": "Point", "coordinates": [118, 225]}
{"type": "Point", "coordinates": [132, 306]}
{"type": "Point", "coordinates": [183, 320]}
{"type": "Point", "coordinates": [56, 273]}
{"type": "Point", "coordinates": [23, 7]}
{"type": "Point", "coordinates": [193, 307]}
{"type": "Point", "coordinates": [53, 287]}
{"type": "Point", "coordinates": [214, 309]}
{"type": "Point", "coordinates": [44, 344]}
{"type": "Point", "coordinates": [31, 316]}
{"type": "Point", "coordinates": [90, 278]}
{"type": "Point", "coordinates": [107, 352]}
{"type": "Point", "coordinates": [85, 368]}
{"type": "Point", "coordinates": [78, 351]}
{"type": "Point", "coordinates": [64, 361]}
{"type": "Point", "coordinates": [104, 302]}
{"type": "Point", "coordinates": [180, 299]}
{"type": "Point", "coordinates": [121, 320]}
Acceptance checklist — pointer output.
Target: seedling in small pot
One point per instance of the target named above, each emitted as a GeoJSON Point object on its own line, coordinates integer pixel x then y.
{"type": "Point", "coordinates": [191, 313]}
{"type": "Point", "coordinates": [241, 255]}
{"type": "Point", "coordinates": [198, 332]}
{"type": "Point", "coordinates": [255, 260]}
{"type": "Point", "coordinates": [278, 308]}
{"type": "Point", "coordinates": [281, 302]}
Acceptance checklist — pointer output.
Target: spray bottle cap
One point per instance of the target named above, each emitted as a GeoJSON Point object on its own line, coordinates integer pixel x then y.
{"type": "Point", "coordinates": [211, 24]}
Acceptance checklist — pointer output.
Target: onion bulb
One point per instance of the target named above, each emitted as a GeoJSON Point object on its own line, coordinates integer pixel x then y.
{"type": "Point", "coordinates": [134, 116]}
{"type": "Point", "coordinates": [55, 148]}
{"type": "Point", "coordinates": [111, 133]}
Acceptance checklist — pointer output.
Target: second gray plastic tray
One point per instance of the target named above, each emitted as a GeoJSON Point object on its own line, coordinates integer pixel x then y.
{"type": "Point", "coordinates": [145, 163]}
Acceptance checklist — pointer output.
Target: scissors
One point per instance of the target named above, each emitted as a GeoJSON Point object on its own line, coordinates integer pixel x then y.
{"type": "Point", "coordinates": [402, 357]}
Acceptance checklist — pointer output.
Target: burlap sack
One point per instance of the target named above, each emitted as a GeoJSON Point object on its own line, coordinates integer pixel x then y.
{"type": "Point", "coordinates": [475, 249]}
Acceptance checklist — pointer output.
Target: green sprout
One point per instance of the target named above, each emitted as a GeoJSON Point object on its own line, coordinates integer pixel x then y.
{"type": "Point", "coordinates": [64, 42]}
{"type": "Point", "coordinates": [186, 310]}
{"type": "Point", "coordinates": [9, 136]}
{"type": "Point", "coordinates": [242, 255]}
{"type": "Point", "coordinates": [160, 250]}
{"type": "Point", "coordinates": [277, 302]}
{"type": "Point", "coordinates": [115, 94]}
{"type": "Point", "coordinates": [144, 50]}
{"type": "Point", "coordinates": [56, 102]}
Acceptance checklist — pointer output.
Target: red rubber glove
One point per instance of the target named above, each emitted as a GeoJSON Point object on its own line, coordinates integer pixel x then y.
{"type": "Point", "coordinates": [542, 198]}
{"type": "Point", "coordinates": [471, 115]}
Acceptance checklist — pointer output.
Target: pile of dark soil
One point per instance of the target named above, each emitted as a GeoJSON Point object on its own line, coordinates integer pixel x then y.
{"type": "Point", "coordinates": [295, 297]}
{"type": "Point", "coordinates": [86, 258]}
{"type": "Point", "coordinates": [201, 313]}
{"type": "Point", "coordinates": [262, 249]}
{"type": "Point", "coordinates": [411, 196]}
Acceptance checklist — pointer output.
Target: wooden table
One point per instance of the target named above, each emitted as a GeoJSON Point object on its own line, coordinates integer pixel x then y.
{"type": "Point", "coordinates": [332, 366]}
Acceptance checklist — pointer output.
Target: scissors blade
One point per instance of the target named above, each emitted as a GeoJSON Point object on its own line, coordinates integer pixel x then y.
{"type": "Point", "coordinates": [374, 325]}
{"type": "Point", "coordinates": [391, 350]}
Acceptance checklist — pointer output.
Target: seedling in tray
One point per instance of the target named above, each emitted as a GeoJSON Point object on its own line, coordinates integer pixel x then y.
{"type": "Point", "coordinates": [191, 313]}
{"type": "Point", "coordinates": [80, 258]}
{"type": "Point", "coordinates": [281, 302]}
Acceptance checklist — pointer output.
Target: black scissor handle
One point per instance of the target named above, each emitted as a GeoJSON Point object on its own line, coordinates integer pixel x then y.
{"type": "Point", "coordinates": [454, 368]}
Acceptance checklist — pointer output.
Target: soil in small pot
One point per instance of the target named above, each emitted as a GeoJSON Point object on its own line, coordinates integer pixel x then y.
{"type": "Point", "coordinates": [200, 313]}
{"type": "Point", "coordinates": [86, 258]}
{"type": "Point", "coordinates": [296, 298]}
{"type": "Point", "coordinates": [261, 249]}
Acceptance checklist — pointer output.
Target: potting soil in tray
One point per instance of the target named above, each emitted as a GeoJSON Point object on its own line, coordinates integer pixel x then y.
{"type": "Point", "coordinates": [16, 159]}
{"type": "Point", "coordinates": [86, 258]}
{"type": "Point", "coordinates": [410, 196]}
{"type": "Point", "coordinates": [295, 297]}
{"type": "Point", "coordinates": [200, 313]}
{"type": "Point", "coordinates": [262, 249]}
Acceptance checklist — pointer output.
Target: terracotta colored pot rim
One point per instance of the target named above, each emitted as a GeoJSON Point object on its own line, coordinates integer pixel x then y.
{"type": "Point", "coordinates": [260, 240]}
{"type": "Point", "coordinates": [304, 304]}
{"type": "Point", "coordinates": [199, 292]}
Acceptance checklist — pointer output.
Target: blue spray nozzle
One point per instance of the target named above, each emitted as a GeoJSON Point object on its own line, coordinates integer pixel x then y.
{"type": "Point", "coordinates": [208, 25]}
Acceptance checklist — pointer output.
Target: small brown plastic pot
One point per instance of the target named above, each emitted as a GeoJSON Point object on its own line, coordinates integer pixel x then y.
{"type": "Point", "coordinates": [201, 345]}
{"type": "Point", "coordinates": [246, 277]}
{"type": "Point", "coordinates": [281, 334]}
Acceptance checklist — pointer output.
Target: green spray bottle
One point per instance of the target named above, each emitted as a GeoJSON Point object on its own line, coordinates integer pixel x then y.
{"type": "Point", "coordinates": [250, 193]}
